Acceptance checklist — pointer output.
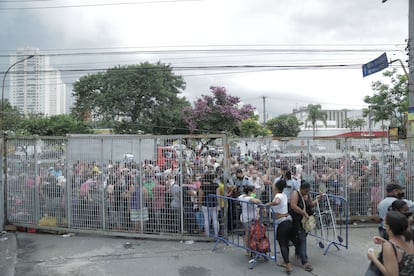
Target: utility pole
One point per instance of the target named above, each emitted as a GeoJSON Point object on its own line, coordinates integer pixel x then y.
{"type": "Point", "coordinates": [264, 110]}
{"type": "Point", "coordinates": [410, 126]}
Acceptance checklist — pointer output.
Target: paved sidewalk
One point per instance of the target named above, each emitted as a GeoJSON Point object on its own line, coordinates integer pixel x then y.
{"type": "Point", "coordinates": [40, 254]}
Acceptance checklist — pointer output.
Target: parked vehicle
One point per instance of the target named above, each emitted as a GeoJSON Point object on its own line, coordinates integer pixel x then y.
{"type": "Point", "coordinates": [28, 151]}
{"type": "Point", "coordinates": [318, 147]}
{"type": "Point", "coordinates": [167, 157]}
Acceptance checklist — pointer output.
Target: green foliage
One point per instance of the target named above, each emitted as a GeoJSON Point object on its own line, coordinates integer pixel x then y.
{"type": "Point", "coordinates": [133, 99]}
{"type": "Point", "coordinates": [353, 124]}
{"type": "Point", "coordinates": [315, 114]}
{"type": "Point", "coordinates": [390, 100]}
{"type": "Point", "coordinates": [284, 126]}
{"type": "Point", "coordinates": [252, 128]}
{"type": "Point", "coordinates": [58, 125]}
{"type": "Point", "coordinates": [12, 119]}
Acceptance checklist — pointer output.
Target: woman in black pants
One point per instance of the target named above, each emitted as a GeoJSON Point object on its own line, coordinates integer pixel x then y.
{"type": "Point", "coordinates": [282, 222]}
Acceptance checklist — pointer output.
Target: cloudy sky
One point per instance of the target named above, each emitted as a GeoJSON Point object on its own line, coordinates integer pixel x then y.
{"type": "Point", "coordinates": [290, 52]}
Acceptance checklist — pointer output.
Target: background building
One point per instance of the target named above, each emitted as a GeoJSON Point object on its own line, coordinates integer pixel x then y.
{"type": "Point", "coordinates": [35, 86]}
{"type": "Point", "coordinates": [336, 122]}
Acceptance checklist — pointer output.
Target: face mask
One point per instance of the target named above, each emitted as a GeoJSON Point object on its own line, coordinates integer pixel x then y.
{"type": "Point", "coordinates": [408, 214]}
{"type": "Point", "coordinates": [400, 195]}
{"type": "Point", "coordinates": [253, 195]}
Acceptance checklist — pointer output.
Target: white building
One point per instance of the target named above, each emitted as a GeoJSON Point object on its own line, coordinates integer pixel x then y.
{"type": "Point", "coordinates": [35, 86]}
{"type": "Point", "coordinates": [334, 118]}
{"type": "Point", "coordinates": [335, 122]}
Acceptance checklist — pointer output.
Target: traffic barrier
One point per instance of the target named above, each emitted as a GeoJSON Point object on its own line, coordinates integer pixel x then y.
{"type": "Point", "coordinates": [331, 215]}
{"type": "Point", "coordinates": [249, 228]}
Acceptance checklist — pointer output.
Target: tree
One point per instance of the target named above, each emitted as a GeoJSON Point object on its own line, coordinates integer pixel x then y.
{"type": "Point", "coordinates": [315, 114]}
{"type": "Point", "coordinates": [133, 98]}
{"type": "Point", "coordinates": [252, 128]}
{"type": "Point", "coordinates": [284, 126]}
{"type": "Point", "coordinates": [217, 113]}
{"type": "Point", "coordinates": [12, 119]}
{"type": "Point", "coordinates": [390, 101]}
{"type": "Point", "coordinates": [360, 123]}
{"type": "Point", "coordinates": [353, 124]}
{"type": "Point", "coordinates": [57, 125]}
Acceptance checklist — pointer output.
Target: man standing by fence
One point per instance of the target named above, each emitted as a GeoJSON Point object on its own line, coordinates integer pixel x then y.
{"type": "Point", "coordinates": [240, 181]}
{"type": "Point", "coordinates": [394, 192]}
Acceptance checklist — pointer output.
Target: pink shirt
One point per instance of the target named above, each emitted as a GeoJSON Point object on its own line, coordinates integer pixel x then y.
{"type": "Point", "coordinates": [84, 188]}
{"type": "Point", "coordinates": [158, 196]}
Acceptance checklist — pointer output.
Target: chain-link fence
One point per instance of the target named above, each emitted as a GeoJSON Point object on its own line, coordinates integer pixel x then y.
{"type": "Point", "coordinates": [355, 168]}
{"type": "Point", "coordinates": [154, 184]}
{"type": "Point", "coordinates": [138, 184]}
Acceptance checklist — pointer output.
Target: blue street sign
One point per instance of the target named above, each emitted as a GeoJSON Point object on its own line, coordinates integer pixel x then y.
{"type": "Point", "coordinates": [376, 65]}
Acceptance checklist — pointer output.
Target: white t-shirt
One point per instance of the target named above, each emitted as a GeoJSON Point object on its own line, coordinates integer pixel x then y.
{"type": "Point", "coordinates": [282, 207]}
{"type": "Point", "coordinates": [248, 209]}
{"type": "Point", "coordinates": [292, 184]}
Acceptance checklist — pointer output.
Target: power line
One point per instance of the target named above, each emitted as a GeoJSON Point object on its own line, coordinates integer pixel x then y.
{"type": "Point", "coordinates": [211, 67]}
{"type": "Point", "coordinates": [220, 51]}
{"type": "Point", "coordinates": [26, 1]}
{"type": "Point", "coordinates": [201, 46]}
{"type": "Point", "coordinates": [97, 5]}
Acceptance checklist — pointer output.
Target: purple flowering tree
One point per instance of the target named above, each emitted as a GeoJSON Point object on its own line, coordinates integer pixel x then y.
{"type": "Point", "coordinates": [217, 113]}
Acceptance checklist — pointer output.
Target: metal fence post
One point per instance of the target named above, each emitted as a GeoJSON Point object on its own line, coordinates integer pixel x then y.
{"type": "Point", "coordinates": [140, 186]}
{"type": "Point", "coordinates": [69, 181]}
{"type": "Point", "coordinates": [180, 159]}
{"type": "Point", "coordinates": [3, 199]}
{"type": "Point", "coordinates": [37, 187]}
{"type": "Point", "coordinates": [102, 189]}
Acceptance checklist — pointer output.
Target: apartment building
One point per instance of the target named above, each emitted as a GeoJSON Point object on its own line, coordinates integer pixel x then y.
{"type": "Point", "coordinates": [34, 85]}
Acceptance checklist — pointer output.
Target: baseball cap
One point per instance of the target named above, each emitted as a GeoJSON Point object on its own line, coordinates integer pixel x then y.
{"type": "Point", "coordinates": [393, 186]}
{"type": "Point", "coordinates": [239, 171]}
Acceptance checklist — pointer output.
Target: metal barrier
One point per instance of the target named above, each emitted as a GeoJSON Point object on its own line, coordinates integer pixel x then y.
{"type": "Point", "coordinates": [357, 169]}
{"type": "Point", "coordinates": [249, 228]}
{"type": "Point", "coordinates": [331, 222]}
{"type": "Point", "coordinates": [93, 193]}
{"type": "Point", "coordinates": [331, 226]}
{"type": "Point", "coordinates": [116, 185]}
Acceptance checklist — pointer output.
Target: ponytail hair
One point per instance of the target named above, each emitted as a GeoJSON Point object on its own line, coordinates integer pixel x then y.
{"type": "Point", "coordinates": [408, 235]}
{"type": "Point", "coordinates": [281, 184]}
{"type": "Point", "coordinates": [248, 189]}
{"type": "Point", "coordinates": [397, 205]}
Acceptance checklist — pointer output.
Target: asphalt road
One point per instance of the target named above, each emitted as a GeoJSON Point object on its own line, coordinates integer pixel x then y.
{"type": "Point", "coordinates": [24, 254]}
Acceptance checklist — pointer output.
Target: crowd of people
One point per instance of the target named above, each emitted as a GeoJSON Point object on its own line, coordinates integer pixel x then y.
{"type": "Point", "coordinates": [126, 195]}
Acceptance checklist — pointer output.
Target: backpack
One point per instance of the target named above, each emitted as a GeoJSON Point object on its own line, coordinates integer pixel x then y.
{"type": "Point", "coordinates": [258, 240]}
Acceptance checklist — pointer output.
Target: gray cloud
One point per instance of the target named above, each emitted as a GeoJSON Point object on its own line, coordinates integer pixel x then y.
{"type": "Point", "coordinates": [279, 22]}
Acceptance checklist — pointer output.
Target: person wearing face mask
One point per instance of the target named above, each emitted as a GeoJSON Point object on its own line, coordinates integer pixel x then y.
{"type": "Point", "coordinates": [240, 182]}
{"type": "Point", "coordinates": [248, 214]}
{"type": "Point", "coordinates": [394, 192]}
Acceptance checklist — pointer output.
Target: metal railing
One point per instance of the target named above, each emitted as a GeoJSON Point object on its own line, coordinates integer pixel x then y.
{"type": "Point", "coordinates": [97, 182]}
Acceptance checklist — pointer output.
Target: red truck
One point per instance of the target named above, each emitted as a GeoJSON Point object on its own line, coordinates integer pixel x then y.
{"type": "Point", "coordinates": [167, 158]}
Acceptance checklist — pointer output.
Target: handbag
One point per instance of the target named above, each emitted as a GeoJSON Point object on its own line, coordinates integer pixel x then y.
{"type": "Point", "coordinates": [373, 270]}
{"type": "Point", "coordinates": [308, 223]}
